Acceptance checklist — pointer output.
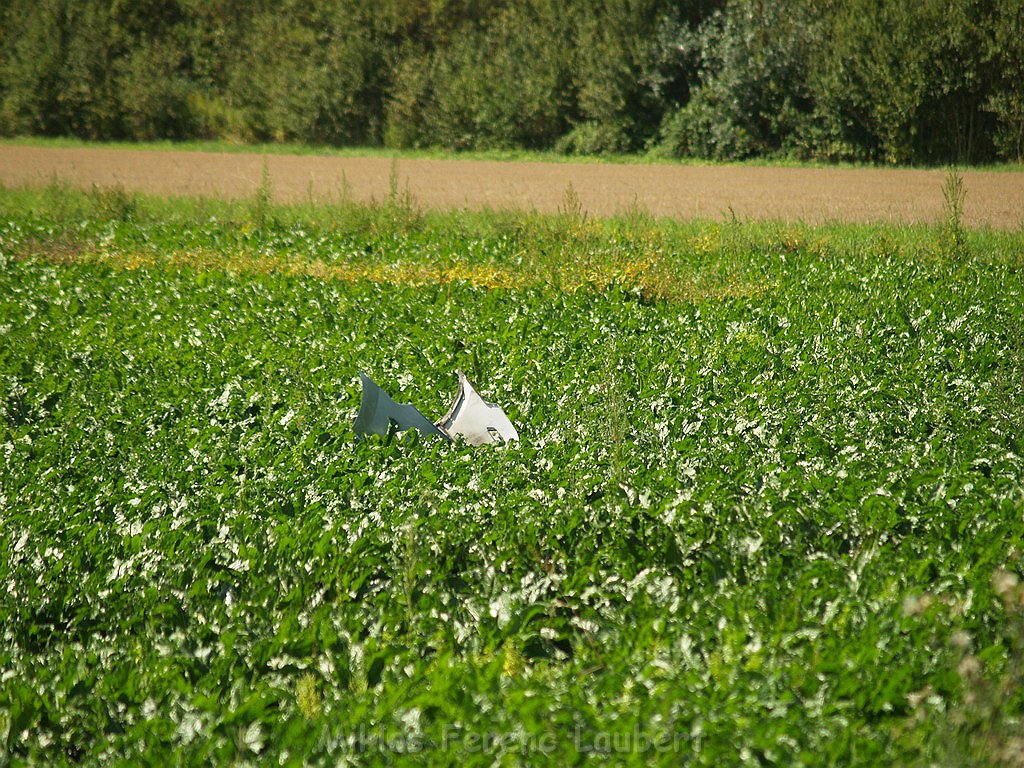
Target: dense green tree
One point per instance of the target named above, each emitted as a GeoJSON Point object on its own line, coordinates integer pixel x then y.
{"type": "Point", "coordinates": [752, 96]}
{"type": "Point", "coordinates": [1005, 100]}
{"type": "Point", "coordinates": [506, 84]}
{"type": "Point", "coordinates": [879, 80]}
{"type": "Point", "coordinates": [903, 82]}
{"type": "Point", "coordinates": [615, 67]}
{"type": "Point", "coordinates": [312, 72]}
{"type": "Point", "coordinates": [57, 70]}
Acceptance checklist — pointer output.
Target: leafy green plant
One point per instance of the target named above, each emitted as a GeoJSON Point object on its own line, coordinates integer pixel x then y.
{"type": "Point", "coordinates": [749, 518]}
{"type": "Point", "coordinates": [307, 697]}
{"type": "Point", "coordinates": [114, 203]}
{"type": "Point", "coordinates": [263, 197]}
{"type": "Point", "coordinates": [984, 726]}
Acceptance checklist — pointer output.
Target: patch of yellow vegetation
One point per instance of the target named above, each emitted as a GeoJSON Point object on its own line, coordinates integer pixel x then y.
{"type": "Point", "coordinates": [652, 277]}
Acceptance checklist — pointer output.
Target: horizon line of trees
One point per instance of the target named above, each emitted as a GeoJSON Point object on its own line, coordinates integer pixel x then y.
{"type": "Point", "coordinates": [885, 81]}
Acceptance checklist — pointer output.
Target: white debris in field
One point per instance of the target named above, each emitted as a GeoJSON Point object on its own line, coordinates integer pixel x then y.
{"type": "Point", "coordinates": [471, 417]}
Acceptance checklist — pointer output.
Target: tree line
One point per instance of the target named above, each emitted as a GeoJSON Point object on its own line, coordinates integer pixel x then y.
{"type": "Point", "coordinates": [888, 81]}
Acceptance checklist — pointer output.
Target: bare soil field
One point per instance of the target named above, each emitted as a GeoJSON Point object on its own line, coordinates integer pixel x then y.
{"type": "Point", "coordinates": [810, 195]}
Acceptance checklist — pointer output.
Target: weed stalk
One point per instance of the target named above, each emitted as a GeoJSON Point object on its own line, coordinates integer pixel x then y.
{"type": "Point", "coordinates": [953, 195]}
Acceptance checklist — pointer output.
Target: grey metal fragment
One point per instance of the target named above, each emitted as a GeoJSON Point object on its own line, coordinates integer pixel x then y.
{"type": "Point", "coordinates": [377, 412]}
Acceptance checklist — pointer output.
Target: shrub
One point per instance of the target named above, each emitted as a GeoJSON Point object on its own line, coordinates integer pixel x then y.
{"type": "Point", "coordinates": [620, 73]}
{"type": "Point", "coordinates": [751, 96]}
{"type": "Point", "coordinates": [503, 85]}
{"type": "Point", "coordinates": [905, 80]}
{"type": "Point", "coordinates": [409, 102]}
{"type": "Point", "coordinates": [155, 92]}
{"type": "Point", "coordinates": [1006, 100]}
{"type": "Point", "coordinates": [57, 71]}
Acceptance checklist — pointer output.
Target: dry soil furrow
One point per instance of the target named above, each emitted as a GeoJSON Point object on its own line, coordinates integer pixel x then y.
{"type": "Point", "coordinates": [812, 195]}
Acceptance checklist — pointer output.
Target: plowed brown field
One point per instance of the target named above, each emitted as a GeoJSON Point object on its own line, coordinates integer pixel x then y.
{"type": "Point", "coordinates": [812, 195]}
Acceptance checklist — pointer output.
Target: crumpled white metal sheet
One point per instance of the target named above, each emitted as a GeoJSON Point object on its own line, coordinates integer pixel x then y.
{"type": "Point", "coordinates": [471, 417]}
{"type": "Point", "coordinates": [476, 419]}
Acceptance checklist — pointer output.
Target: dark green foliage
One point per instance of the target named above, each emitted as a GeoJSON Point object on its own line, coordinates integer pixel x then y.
{"type": "Point", "coordinates": [906, 82]}
{"type": "Point", "coordinates": [876, 80]}
{"type": "Point", "coordinates": [616, 61]}
{"type": "Point", "coordinates": [502, 86]}
{"type": "Point", "coordinates": [156, 94]}
{"type": "Point", "coordinates": [1006, 99]}
{"type": "Point", "coordinates": [55, 68]}
{"type": "Point", "coordinates": [753, 97]}
{"type": "Point", "coordinates": [311, 73]}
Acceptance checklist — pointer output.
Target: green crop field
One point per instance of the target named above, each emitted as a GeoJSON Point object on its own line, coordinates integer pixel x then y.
{"type": "Point", "coordinates": [767, 506]}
